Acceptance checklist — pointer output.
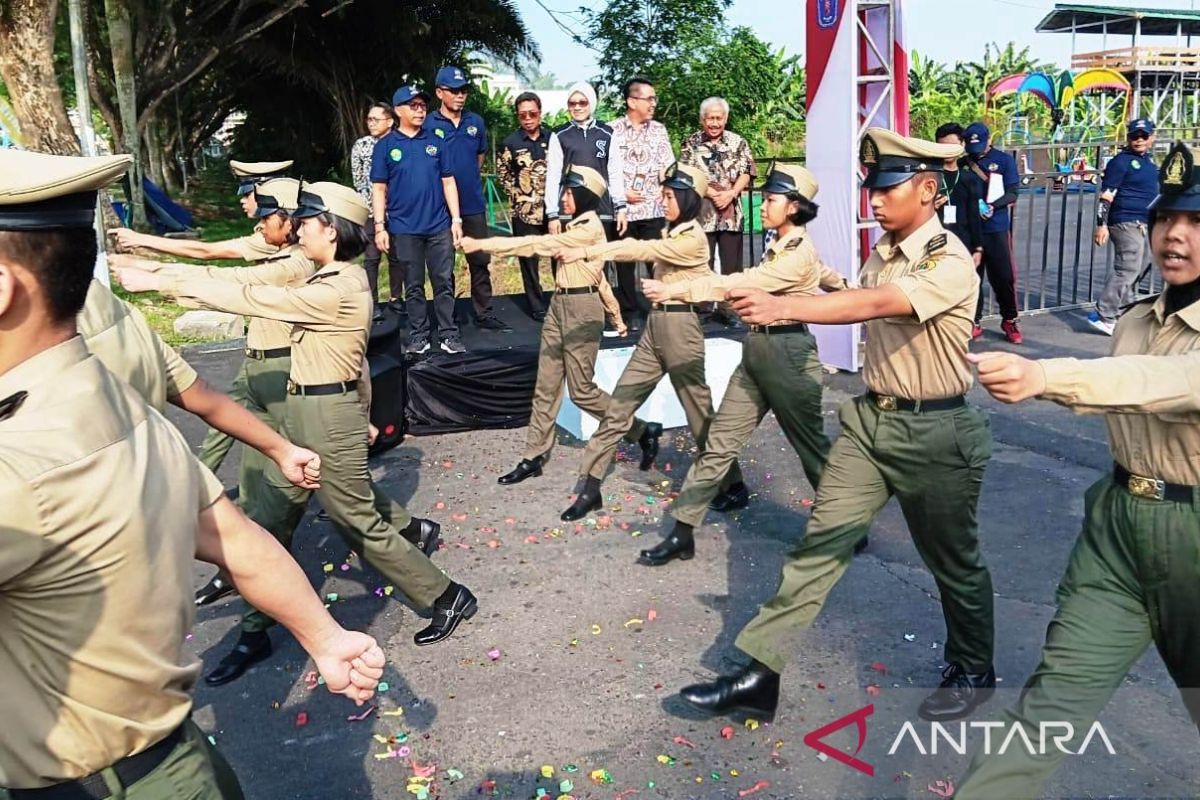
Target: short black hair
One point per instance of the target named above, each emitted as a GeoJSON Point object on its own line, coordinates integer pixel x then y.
{"type": "Point", "coordinates": [61, 260]}
{"type": "Point", "coordinates": [351, 238]}
{"type": "Point", "coordinates": [634, 81]}
{"type": "Point", "coordinates": [949, 129]}
{"type": "Point", "coordinates": [807, 211]}
{"type": "Point", "coordinates": [527, 97]}
{"type": "Point", "coordinates": [285, 216]}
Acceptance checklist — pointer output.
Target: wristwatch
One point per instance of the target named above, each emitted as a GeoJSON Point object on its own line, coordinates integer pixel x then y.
{"type": "Point", "coordinates": [456, 221]}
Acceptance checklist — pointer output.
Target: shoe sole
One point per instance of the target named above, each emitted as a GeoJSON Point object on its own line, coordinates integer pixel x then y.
{"type": "Point", "coordinates": [593, 507]}
{"type": "Point", "coordinates": [467, 612]}
{"type": "Point", "coordinates": [209, 599]}
{"type": "Point", "coordinates": [760, 714]}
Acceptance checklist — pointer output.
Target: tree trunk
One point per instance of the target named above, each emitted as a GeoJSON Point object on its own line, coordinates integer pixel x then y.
{"type": "Point", "coordinates": [154, 169]}
{"type": "Point", "coordinates": [27, 69]}
{"type": "Point", "coordinates": [120, 40]}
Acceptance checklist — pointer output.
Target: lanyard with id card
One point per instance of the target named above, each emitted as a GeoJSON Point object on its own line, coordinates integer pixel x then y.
{"type": "Point", "coordinates": [950, 211]}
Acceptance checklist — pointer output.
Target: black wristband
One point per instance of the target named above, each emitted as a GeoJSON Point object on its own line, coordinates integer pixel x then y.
{"type": "Point", "coordinates": [1102, 213]}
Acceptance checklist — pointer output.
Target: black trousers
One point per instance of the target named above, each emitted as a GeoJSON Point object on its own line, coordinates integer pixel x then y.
{"type": "Point", "coordinates": [371, 259]}
{"type": "Point", "coordinates": [729, 245]}
{"type": "Point", "coordinates": [529, 267]}
{"type": "Point", "coordinates": [626, 288]}
{"type": "Point", "coordinates": [413, 255]}
{"type": "Point", "coordinates": [998, 264]}
{"type": "Point", "coordinates": [475, 226]}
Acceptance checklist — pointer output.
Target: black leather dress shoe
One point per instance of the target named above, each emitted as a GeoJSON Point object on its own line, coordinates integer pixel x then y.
{"type": "Point", "coordinates": [250, 649]}
{"type": "Point", "coordinates": [733, 499]}
{"type": "Point", "coordinates": [754, 690]}
{"type": "Point", "coordinates": [586, 501]}
{"type": "Point", "coordinates": [648, 441]}
{"type": "Point", "coordinates": [447, 616]}
{"type": "Point", "coordinates": [958, 695]}
{"type": "Point", "coordinates": [674, 546]}
{"type": "Point", "coordinates": [423, 533]}
{"type": "Point", "coordinates": [214, 590]}
{"type": "Point", "coordinates": [527, 468]}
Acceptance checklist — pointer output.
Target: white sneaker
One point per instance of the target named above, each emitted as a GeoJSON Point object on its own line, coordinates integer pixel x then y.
{"type": "Point", "coordinates": [1099, 324]}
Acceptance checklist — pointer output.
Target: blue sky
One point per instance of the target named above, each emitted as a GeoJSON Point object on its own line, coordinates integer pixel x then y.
{"type": "Point", "coordinates": [935, 28]}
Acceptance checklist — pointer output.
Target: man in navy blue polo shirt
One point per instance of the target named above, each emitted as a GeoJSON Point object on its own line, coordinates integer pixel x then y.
{"type": "Point", "coordinates": [464, 137]}
{"type": "Point", "coordinates": [413, 189]}
{"type": "Point", "coordinates": [986, 162]}
{"type": "Point", "coordinates": [1130, 182]}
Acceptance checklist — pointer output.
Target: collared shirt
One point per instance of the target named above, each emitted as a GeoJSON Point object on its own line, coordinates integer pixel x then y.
{"type": "Point", "coordinates": [680, 255]}
{"type": "Point", "coordinates": [290, 268]}
{"type": "Point", "coordinates": [101, 500]}
{"type": "Point", "coordinates": [1134, 178]}
{"type": "Point", "coordinates": [330, 315]}
{"type": "Point", "coordinates": [583, 231]}
{"type": "Point", "coordinates": [360, 166]}
{"type": "Point", "coordinates": [1148, 390]}
{"type": "Point", "coordinates": [118, 334]}
{"type": "Point", "coordinates": [922, 356]}
{"type": "Point", "coordinates": [998, 162]}
{"type": "Point", "coordinates": [585, 144]}
{"type": "Point", "coordinates": [789, 266]}
{"type": "Point", "coordinates": [413, 168]}
{"type": "Point", "coordinates": [521, 167]}
{"type": "Point", "coordinates": [724, 160]}
{"type": "Point", "coordinates": [645, 153]}
{"type": "Point", "coordinates": [464, 144]}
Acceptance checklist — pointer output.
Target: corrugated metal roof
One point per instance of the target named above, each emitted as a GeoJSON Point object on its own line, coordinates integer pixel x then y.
{"type": "Point", "coordinates": [1088, 18]}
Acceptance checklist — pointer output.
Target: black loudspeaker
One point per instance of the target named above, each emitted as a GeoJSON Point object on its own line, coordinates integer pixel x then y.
{"type": "Point", "coordinates": [389, 394]}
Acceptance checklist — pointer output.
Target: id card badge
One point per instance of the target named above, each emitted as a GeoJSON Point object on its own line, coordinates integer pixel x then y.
{"type": "Point", "coordinates": [950, 214]}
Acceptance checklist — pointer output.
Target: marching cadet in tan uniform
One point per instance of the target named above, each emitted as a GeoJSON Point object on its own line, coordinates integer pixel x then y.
{"type": "Point", "coordinates": [911, 435]}
{"type": "Point", "coordinates": [244, 248]}
{"type": "Point", "coordinates": [104, 510]}
{"type": "Point", "coordinates": [573, 325]}
{"type": "Point", "coordinates": [672, 342]}
{"type": "Point", "coordinates": [780, 369]}
{"type": "Point", "coordinates": [330, 315]}
{"type": "Point", "coordinates": [1134, 575]}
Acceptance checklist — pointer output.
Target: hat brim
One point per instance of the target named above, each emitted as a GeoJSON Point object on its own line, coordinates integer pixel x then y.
{"type": "Point", "coordinates": [885, 180]}
{"type": "Point", "coordinates": [422, 95]}
{"type": "Point", "coordinates": [675, 182]}
{"type": "Point", "coordinates": [246, 188]}
{"type": "Point", "coordinates": [573, 180]}
{"type": "Point", "coordinates": [454, 84]}
{"type": "Point", "coordinates": [777, 187]}
{"type": "Point", "coordinates": [1185, 201]}
{"type": "Point", "coordinates": [976, 149]}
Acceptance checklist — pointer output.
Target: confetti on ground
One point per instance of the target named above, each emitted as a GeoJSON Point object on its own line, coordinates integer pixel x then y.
{"type": "Point", "coordinates": [565, 786]}
{"type": "Point", "coordinates": [459, 516]}
{"type": "Point", "coordinates": [683, 741]}
{"type": "Point", "coordinates": [596, 630]}
{"type": "Point", "coordinates": [910, 637]}
{"type": "Point", "coordinates": [301, 719]}
{"type": "Point", "coordinates": [547, 771]}
{"type": "Point", "coordinates": [872, 690]}
{"type": "Point", "coordinates": [531, 539]}
{"type": "Point", "coordinates": [494, 654]}
{"type": "Point", "coordinates": [757, 787]}
{"type": "Point", "coordinates": [453, 775]}
{"type": "Point", "coordinates": [423, 770]}
{"type": "Point", "coordinates": [493, 543]}
{"type": "Point", "coordinates": [665, 759]}
{"type": "Point", "coordinates": [328, 567]}
{"type": "Point", "coordinates": [880, 667]}
{"type": "Point", "coordinates": [942, 788]}
{"type": "Point", "coordinates": [634, 621]}
{"type": "Point", "coordinates": [727, 732]}
{"type": "Point", "coordinates": [332, 597]}
{"type": "Point", "coordinates": [651, 615]}
{"type": "Point", "coordinates": [394, 713]}
{"type": "Point", "coordinates": [621, 795]}
{"type": "Point", "coordinates": [600, 776]}
{"type": "Point", "coordinates": [383, 686]}
{"type": "Point", "coordinates": [752, 724]}
{"type": "Point", "coordinates": [360, 717]}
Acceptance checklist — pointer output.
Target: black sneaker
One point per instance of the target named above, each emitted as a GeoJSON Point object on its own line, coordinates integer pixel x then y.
{"type": "Point", "coordinates": [416, 347]}
{"type": "Point", "coordinates": [454, 346]}
{"type": "Point", "coordinates": [492, 324]}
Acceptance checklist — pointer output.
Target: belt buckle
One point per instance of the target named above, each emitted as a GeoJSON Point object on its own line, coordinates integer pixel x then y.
{"type": "Point", "coordinates": [1151, 488]}
{"type": "Point", "coordinates": [292, 387]}
{"type": "Point", "coordinates": [885, 402]}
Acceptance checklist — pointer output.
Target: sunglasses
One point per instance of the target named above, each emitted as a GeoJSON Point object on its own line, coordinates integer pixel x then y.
{"type": "Point", "coordinates": [1138, 136]}
{"type": "Point", "coordinates": [418, 105]}
{"type": "Point", "coordinates": [529, 114]}
{"type": "Point", "coordinates": [578, 104]}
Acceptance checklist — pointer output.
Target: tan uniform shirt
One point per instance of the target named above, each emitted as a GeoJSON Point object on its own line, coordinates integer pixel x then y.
{"type": "Point", "coordinates": [681, 255]}
{"type": "Point", "coordinates": [583, 231]}
{"type": "Point", "coordinates": [790, 266]}
{"type": "Point", "coordinates": [1149, 389]}
{"type": "Point", "coordinates": [288, 268]}
{"type": "Point", "coordinates": [329, 314]}
{"type": "Point", "coordinates": [101, 498]}
{"type": "Point", "coordinates": [923, 356]}
{"type": "Point", "coordinates": [119, 336]}
{"type": "Point", "coordinates": [253, 247]}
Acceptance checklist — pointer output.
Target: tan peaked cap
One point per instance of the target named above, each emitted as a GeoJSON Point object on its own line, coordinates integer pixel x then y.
{"type": "Point", "coordinates": [341, 200]}
{"type": "Point", "coordinates": [804, 181]}
{"type": "Point", "coordinates": [592, 180]}
{"type": "Point", "coordinates": [699, 179]}
{"type": "Point", "coordinates": [27, 177]}
{"type": "Point", "coordinates": [258, 169]}
{"type": "Point", "coordinates": [286, 192]}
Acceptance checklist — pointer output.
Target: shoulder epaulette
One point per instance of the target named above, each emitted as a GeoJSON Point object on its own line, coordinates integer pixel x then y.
{"type": "Point", "coordinates": [794, 243]}
{"type": "Point", "coordinates": [10, 404]}
{"type": "Point", "coordinates": [1143, 301]}
{"type": "Point", "coordinates": [320, 276]}
{"type": "Point", "coordinates": [935, 244]}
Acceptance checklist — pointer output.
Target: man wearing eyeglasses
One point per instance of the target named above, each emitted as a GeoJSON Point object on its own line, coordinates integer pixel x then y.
{"type": "Point", "coordinates": [521, 166]}
{"type": "Point", "coordinates": [1130, 182]}
{"type": "Point", "coordinates": [464, 137]}
{"type": "Point", "coordinates": [645, 152]}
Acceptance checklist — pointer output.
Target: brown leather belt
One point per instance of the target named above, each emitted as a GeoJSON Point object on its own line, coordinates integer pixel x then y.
{"type": "Point", "coordinates": [793, 327]}
{"type": "Point", "coordinates": [675, 308]}
{"type": "Point", "coordinates": [130, 770]}
{"type": "Point", "coordinates": [1153, 488]}
{"type": "Point", "coordinates": [886, 402]}
{"type": "Point", "coordinates": [316, 389]}
{"type": "Point", "coordinates": [578, 290]}
{"type": "Point", "coordinates": [263, 355]}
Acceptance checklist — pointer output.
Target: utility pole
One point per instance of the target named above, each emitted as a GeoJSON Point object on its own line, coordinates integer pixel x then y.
{"type": "Point", "coordinates": [83, 105]}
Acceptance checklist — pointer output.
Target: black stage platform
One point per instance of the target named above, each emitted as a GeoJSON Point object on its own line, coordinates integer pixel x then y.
{"type": "Point", "coordinates": [489, 386]}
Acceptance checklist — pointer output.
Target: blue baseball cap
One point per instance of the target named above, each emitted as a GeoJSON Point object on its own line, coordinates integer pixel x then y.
{"type": "Point", "coordinates": [405, 95]}
{"type": "Point", "coordinates": [977, 138]}
{"type": "Point", "coordinates": [451, 78]}
{"type": "Point", "coordinates": [1139, 125]}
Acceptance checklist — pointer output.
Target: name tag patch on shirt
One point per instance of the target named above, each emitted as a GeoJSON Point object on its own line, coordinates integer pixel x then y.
{"type": "Point", "coordinates": [431, 150]}
{"type": "Point", "coordinates": [438, 132]}
{"type": "Point", "coordinates": [395, 154]}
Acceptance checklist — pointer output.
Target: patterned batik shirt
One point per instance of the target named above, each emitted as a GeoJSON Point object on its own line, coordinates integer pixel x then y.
{"type": "Point", "coordinates": [360, 166]}
{"type": "Point", "coordinates": [647, 153]}
{"type": "Point", "coordinates": [724, 160]}
{"type": "Point", "coordinates": [521, 167]}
